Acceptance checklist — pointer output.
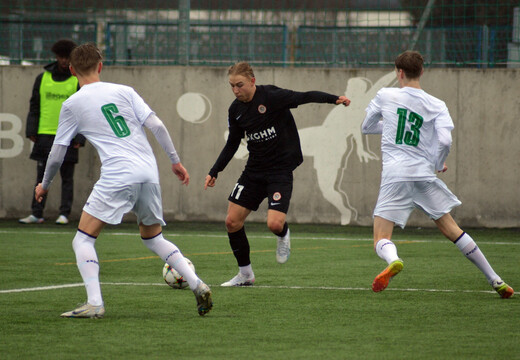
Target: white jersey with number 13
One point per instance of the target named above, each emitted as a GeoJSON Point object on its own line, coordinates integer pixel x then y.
{"type": "Point", "coordinates": [409, 141]}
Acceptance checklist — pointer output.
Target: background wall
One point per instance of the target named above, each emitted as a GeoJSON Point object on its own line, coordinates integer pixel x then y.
{"type": "Point", "coordinates": [339, 179]}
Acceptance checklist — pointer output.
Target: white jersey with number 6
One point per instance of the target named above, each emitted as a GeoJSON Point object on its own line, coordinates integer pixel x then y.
{"type": "Point", "coordinates": [111, 117]}
{"type": "Point", "coordinates": [408, 119]}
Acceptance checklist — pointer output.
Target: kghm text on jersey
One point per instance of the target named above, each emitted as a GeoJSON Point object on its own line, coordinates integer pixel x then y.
{"type": "Point", "coordinates": [263, 135]}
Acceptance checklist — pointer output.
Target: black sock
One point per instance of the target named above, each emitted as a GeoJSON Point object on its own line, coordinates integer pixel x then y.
{"type": "Point", "coordinates": [284, 230]}
{"type": "Point", "coordinates": [240, 247]}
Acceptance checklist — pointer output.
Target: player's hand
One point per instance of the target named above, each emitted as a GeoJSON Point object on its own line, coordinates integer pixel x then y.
{"type": "Point", "coordinates": [181, 173]}
{"type": "Point", "coordinates": [39, 192]}
{"type": "Point", "coordinates": [443, 169]}
{"type": "Point", "coordinates": [343, 100]}
{"type": "Point", "coordinates": [210, 181]}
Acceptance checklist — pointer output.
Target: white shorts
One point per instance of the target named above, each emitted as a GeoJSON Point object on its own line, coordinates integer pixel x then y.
{"type": "Point", "coordinates": [110, 204]}
{"type": "Point", "coordinates": [397, 200]}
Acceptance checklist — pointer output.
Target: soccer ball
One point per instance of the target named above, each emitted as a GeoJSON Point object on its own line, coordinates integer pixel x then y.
{"type": "Point", "coordinates": [173, 278]}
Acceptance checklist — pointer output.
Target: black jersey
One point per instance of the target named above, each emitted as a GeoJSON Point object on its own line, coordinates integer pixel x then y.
{"type": "Point", "coordinates": [268, 126]}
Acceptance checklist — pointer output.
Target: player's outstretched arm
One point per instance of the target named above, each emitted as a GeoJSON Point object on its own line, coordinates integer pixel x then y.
{"type": "Point", "coordinates": [343, 100]}
{"type": "Point", "coordinates": [181, 173]}
{"type": "Point", "coordinates": [210, 181]}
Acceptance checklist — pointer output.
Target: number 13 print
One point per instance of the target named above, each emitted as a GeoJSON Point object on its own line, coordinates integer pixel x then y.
{"type": "Point", "coordinates": [409, 137]}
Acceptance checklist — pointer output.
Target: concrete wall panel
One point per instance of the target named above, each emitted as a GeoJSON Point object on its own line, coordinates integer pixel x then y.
{"type": "Point", "coordinates": [339, 179]}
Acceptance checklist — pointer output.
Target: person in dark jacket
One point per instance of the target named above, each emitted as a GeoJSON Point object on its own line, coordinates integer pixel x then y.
{"type": "Point", "coordinates": [51, 88]}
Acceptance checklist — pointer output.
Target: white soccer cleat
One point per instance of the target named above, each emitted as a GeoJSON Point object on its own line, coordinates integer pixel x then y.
{"type": "Point", "coordinates": [31, 219]}
{"type": "Point", "coordinates": [283, 248]}
{"type": "Point", "coordinates": [86, 311]}
{"type": "Point", "coordinates": [204, 299]}
{"type": "Point", "coordinates": [62, 220]}
{"type": "Point", "coordinates": [240, 280]}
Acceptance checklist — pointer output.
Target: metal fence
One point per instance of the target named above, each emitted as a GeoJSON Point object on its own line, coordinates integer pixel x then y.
{"type": "Point", "coordinates": [276, 33]}
{"type": "Point", "coordinates": [209, 44]}
{"type": "Point", "coordinates": [377, 46]}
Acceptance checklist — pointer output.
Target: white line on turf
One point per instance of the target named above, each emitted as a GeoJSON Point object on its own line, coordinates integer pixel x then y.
{"type": "Point", "coordinates": [41, 288]}
{"type": "Point", "coordinates": [56, 287]}
{"type": "Point", "coordinates": [265, 237]}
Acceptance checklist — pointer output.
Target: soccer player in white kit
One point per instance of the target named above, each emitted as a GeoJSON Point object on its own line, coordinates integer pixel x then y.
{"type": "Point", "coordinates": [416, 139]}
{"type": "Point", "coordinates": [112, 117]}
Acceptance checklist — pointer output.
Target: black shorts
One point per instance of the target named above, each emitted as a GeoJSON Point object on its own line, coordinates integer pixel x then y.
{"type": "Point", "coordinates": [251, 189]}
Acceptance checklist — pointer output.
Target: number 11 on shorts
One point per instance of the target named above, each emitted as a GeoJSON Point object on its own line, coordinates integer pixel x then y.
{"type": "Point", "coordinates": [237, 190]}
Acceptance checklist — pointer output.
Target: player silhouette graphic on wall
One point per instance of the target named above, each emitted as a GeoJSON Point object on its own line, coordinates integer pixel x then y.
{"type": "Point", "coordinates": [341, 131]}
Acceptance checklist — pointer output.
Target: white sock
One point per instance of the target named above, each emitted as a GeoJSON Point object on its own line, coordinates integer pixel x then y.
{"type": "Point", "coordinates": [470, 250]}
{"type": "Point", "coordinates": [246, 270]}
{"type": "Point", "coordinates": [173, 256]}
{"type": "Point", "coordinates": [88, 265]}
{"type": "Point", "coordinates": [386, 250]}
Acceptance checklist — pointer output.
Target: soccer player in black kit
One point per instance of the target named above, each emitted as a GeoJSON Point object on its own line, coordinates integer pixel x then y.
{"type": "Point", "coordinates": [262, 114]}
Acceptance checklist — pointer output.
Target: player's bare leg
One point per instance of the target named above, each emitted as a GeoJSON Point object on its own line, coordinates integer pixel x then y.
{"type": "Point", "coordinates": [387, 251]}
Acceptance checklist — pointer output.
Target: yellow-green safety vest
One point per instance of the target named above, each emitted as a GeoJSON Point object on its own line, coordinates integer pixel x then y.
{"type": "Point", "coordinates": [52, 95]}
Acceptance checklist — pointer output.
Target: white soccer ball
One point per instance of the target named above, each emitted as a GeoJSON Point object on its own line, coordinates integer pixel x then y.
{"type": "Point", "coordinates": [173, 278]}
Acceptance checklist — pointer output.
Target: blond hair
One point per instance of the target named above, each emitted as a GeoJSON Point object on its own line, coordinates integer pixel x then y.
{"type": "Point", "coordinates": [241, 68]}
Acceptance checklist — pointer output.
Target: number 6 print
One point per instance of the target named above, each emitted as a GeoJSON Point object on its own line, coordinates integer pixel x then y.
{"type": "Point", "coordinates": [117, 123]}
